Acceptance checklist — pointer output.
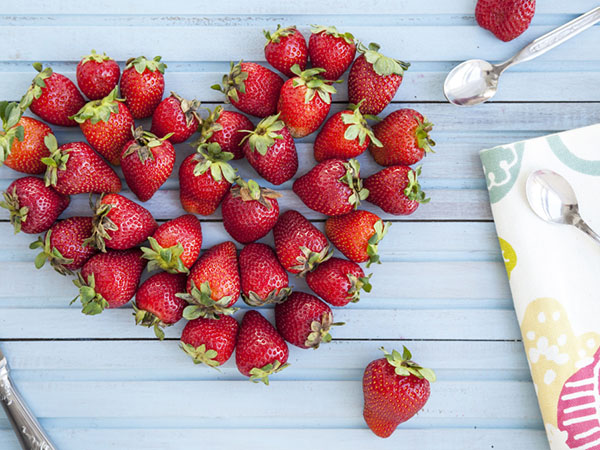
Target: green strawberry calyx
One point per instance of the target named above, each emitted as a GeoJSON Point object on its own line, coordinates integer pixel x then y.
{"type": "Point", "coordinates": [99, 110]}
{"type": "Point", "coordinates": [309, 260]}
{"type": "Point", "coordinates": [404, 366]}
{"type": "Point", "coordinates": [358, 127]}
{"type": "Point", "coordinates": [189, 108]}
{"type": "Point", "coordinates": [144, 142]}
{"type": "Point", "coordinates": [382, 65]}
{"type": "Point", "coordinates": [380, 230]}
{"type": "Point", "coordinates": [208, 125]}
{"type": "Point", "coordinates": [93, 56]}
{"type": "Point", "coordinates": [93, 302]}
{"type": "Point", "coordinates": [167, 259]}
{"type": "Point", "coordinates": [141, 63]}
{"type": "Point", "coordinates": [201, 303]}
{"type": "Point", "coordinates": [251, 191]}
{"type": "Point", "coordinates": [277, 295]}
{"type": "Point", "coordinates": [52, 254]}
{"type": "Point", "coordinates": [262, 373]}
{"type": "Point", "coordinates": [262, 138]}
{"type": "Point", "coordinates": [314, 82]}
{"type": "Point", "coordinates": [356, 285]}
{"type": "Point", "coordinates": [55, 162]}
{"type": "Point", "coordinates": [348, 37]}
{"type": "Point", "coordinates": [38, 83]}
{"type": "Point", "coordinates": [319, 330]}
{"type": "Point", "coordinates": [413, 189]}
{"type": "Point", "coordinates": [18, 214]}
{"type": "Point", "coordinates": [201, 355]}
{"type": "Point", "coordinates": [10, 114]}
{"type": "Point", "coordinates": [147, 319]}
{"type": "Point", "coordinates": [211, 157]}
{"type": "Point", "coordinates": [234, 83]}
{"type": "Point", "coordinates": [352, 179]}
{"type": "Point", "coordinates": [101, 225]}
{"type": "Point", "coordinates": [276, 36]}
{"type": "Point", "coordinates": [424, 141]}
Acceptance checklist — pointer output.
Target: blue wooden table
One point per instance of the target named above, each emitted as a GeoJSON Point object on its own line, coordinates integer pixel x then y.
{"type": "Point", "coordinates": [100, 383]}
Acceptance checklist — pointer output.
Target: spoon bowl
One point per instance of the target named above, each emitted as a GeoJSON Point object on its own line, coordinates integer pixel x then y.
{"type": "Point", "coordinates": [551, 197]}
{"type": "Point", "coordinates": [471, 83]}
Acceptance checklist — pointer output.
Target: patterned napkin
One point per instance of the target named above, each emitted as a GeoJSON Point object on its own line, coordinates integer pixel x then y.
{"type": "Point", "coordinates": [554, 275]}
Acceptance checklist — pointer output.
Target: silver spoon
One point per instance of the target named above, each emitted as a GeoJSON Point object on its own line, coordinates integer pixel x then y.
{"type": "Point", "coordinates": [552, 198]}
{"type": "Point", "coordinates": [476, 81]}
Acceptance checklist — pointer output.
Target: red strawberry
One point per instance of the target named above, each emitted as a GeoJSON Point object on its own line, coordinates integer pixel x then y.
{"type": "Point", "coordinates": [33, 206]}
{"type": "Point", "coordinates": [261, 351]}
{"type": "Point", "coordinates": [204, 179]}
{"type": "Point", "coordinates": [331, 50]}
{"type": "Point", "coordinates": [299, 245]}
{"type": "Point", "coordinates": [251, 88]}
{"type": "Point", "coordinates": [75, 168]}
{"type": "Point", "coordinates": [97, 75]}
{"type": "Point", "coordinates": [120, 223]}
{"type": "Point", "coordinates": [109, 280]}
{"type": "Point", "coordinates": [226, 128]}
{"type": "Point", "coordinates": [175, 245]}
{"type": "Point", "coordinates": [53, 97]}
{"type": "Point", "coordinates": [395, 389]}
{"type": "Point", "coordinates": [107, 125]}
{"type": "Point", "coordinates": [264, 280]}
{"type": "Point", "coordinates": [357, 235]}
{"type": "Point", "coordinates": [63, 245]}
{"type": "Point", "coordinates": [396, 190]}
{"type": "Point", "coordinates": [302, 108]}
{"type": "Point", "coordinates": [147, 162]}
{"type": "Point", "coordinates": [304, 320]}
{"type": "Point", "coordinates": [284, 48]}
{"type": "Point", "coordinates": [338, 281]}
{"type": "Point", "coordinates": [507, 19]}
{"type": "Point", "coordinates": [271, 150]}
{"type": "Point", "coordinates": [156, 304]}
{"type": "Point", "coordinates": [210, 341]}
{"type": "Point", "coordinates": [404, 135]}
{"type": "Point", "coordinates": [375, 79]}
{"type": "Point", "coordinates": [175, 116]}
{"type": "Point", "coordinates": [143, 85]}
{"type": "Point", "coordinates": [332, 187]}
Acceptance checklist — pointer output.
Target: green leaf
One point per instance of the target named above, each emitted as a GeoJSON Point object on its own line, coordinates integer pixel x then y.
{"type": "Point", "coordinates": [40, 260]}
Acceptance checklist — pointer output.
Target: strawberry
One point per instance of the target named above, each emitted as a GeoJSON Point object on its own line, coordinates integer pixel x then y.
{"type": "Point", "coordinates": [299, 245]}
{"type": "Point", "coordinates": [271, 150]}
{"type": "Point", "coordinates": [304, 320]}
{"type": "Point", "coordinates": [143, 85]}
{"type": "Point", "coordinates": [33, 206]}
{"type": "Point", "coordinates": [284, 48]}
{"type": "Point", "coordinates": [332, 187]}
{"type": "Point", "coordinates": [156, 304]}
{"type": "Point", "coordinates": [404, 135]}
{"type": "Point", "coordinates": [97, 75]}
{"type": "Point", "coordinates": [395, 389]}
{"type": "Point", "coordinates": [396, 190]}
{"type": "Point", "coordinates": [374, 78]}
{"type": "Point", "coordinates": [338, 281]}
{"type": "Point", "coordinates": [226, 128]}
{"type": "Point", "coordinates": [305, 101]}
{"type": "Point", "coordinates": [204, 179]}
{"type": "Point", "coordinates": [147, 162]}
{"type": "Point", "coordinates": [264, 280]}
{"type": "Point", "coordinates": [251, 88]}
{"type": "Point", "coordinates": [357, 235]}
{"type": "Point", "coordinates": [507, 19]}
{"type": "Point", "coordinates": [210, 341]}
{"type": "Point", "coordinates": [213, 285]}
{"type": "Point", "coordinates": [177, 117]}
{"type": "Point", "coordinates": [63, 245]}
{"type": "Point", "coordinates": [53, 97]}
{"type": "Point", "coordinates": [109, 280]}
{"type": "Point", "coordinates": [107, 125]}
{"type": "Point", "coordinates": [261, 351]}
{"type": "Point", "coordinates": [331, 50]}
{"type": "Point", "coordinates": [120, 223]}
{"type": "Point", "coordinates": [75, 168]}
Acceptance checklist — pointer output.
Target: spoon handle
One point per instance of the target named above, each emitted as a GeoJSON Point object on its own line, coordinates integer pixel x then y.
{"type": "Point", "coordinates": [580, 224]}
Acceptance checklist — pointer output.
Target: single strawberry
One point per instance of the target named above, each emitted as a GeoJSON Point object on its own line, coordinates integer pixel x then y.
{"type": "Point", "coordinates": [300, 246]}
{"type": "Point", "coordinates": [120, 223]}
{"type": "Point", "coordinates": [33, 206]}
{"type": "Point", "coordinates": [374, 78]}
{"type": "Point", "coordinates": [304, 320]}
{"type": "Point", "coordinates": [331, 50]}
{"type": "Point", "coordinates": [75, 168]}
{"type": "Point", "coordinates": [226, 128]}
{"type": "Point", "coordinates": [53, 97]}
{"type": "Point", "coordinates": [404, 135]}
{"type": "Point", "coordinates": [261, 351]}
{"type": "Point", "coordinates": [305, 101]}
{"type": "Point", "coordinates": [97, 75]}
{"type": "Point", "coordinates": [507, 19]}
{"type": "Point", "coordinates": [175, 245]}
{"type": "Point", "coordinates": [210, 341]}
{"type": "Point", "coordinates": [107, 125]}
{"type": "Point", "coordinates": [395, 389]}
{"type": "Point", "coordinates": [357, 235]}
{"type": "Point", "coordinates": [332, 187]}
{"type": "Point", "coordinates": [143, 85]}
{"type": "Point", "coordinates": [177, 117]}
{"type": "Point", "coordinates": [284, 48]}
{"type": "Point", "coordinates": [251, 88]}
{"type": "Point", "coordinates": [147, 162]}
{"type": "Point", "coordinates": [396, 190]}
{"type": "Point", "coordinates": [338, 281]}
{"type": "Point", "coordinates": [156, 304]}
{"type": "Point", "coordinates": [204, 179]}
{"type": "Point", "coordinates": [63, 245]}
{"type": "Point", "coordinates": [109, 280]}
{"type": "Point", "coordinates": [271, 151]}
